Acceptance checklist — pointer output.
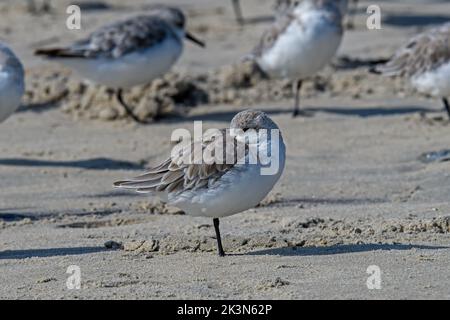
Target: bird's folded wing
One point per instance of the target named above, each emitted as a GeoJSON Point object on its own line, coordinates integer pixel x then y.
{"type": "Point", "coordinates": [424, 52]}
{"type": "Point", "coordinates": [178, 174]}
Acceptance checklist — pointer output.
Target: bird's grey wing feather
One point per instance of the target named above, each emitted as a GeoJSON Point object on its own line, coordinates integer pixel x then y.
{"type": "Point", "coordinates": [424, 52]}
{"type": "Point", "coordinates": [175, 175]}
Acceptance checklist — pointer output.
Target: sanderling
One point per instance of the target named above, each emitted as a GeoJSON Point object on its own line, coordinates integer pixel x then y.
{"type": "Point", "coordinates": [351, 13]}
{"type": "Point", "coordinates": [220, 188]}
{"type": "Point", "coordinates": [128, 53]}
{"type": "Point", "coordinates": [12, 84]}
{"type": "Point", "coordinates": [279, 7]}
{"type": "Point", "coordinates": [300, 43]}
{"type": "Point", "coordinates": [425, 62]}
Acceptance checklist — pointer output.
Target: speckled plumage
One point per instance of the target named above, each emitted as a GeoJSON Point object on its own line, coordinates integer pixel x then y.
{"type": "Point", "coordinates": [180, 174]}
{"type": "Point", "coordinates": [423, 53]}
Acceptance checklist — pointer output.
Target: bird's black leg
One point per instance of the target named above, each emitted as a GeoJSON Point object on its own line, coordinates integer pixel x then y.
{"type": "Point", "coordinates": [351, 15]}
{"type": "Point", "coordinates": [447, 106]}
{"type": "Point", "coordinates": [296, 88]}
{"type": "Point", "coordinates": [219, 240]}
{"type": "Point", "coordinates": [128, 110]}
{"type": "Point", "coordinates": [238, 12]}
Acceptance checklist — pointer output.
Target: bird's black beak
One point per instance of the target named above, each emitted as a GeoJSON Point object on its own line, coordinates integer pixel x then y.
{"type": "Point", "coordinates": [195, 40]}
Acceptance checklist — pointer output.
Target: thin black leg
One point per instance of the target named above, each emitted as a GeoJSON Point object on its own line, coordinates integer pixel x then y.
{"type": "Point", "coordinates": [447, 106]}
{"type": "Point", "coordinates": [126, 107]}
{"type": "Point", "coordinates": [219, 240]}
{"type": "Point", "coordinates": [238, 12]}
{"type": "Point", "coordinates": [296, 88]}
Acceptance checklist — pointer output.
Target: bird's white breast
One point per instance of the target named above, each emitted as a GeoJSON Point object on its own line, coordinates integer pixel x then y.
{"type": "Point", "coordinates": [435, 82]}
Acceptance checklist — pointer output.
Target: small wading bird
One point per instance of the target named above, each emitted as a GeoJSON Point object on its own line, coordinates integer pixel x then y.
{"type": "Point", "coordinates": [300, 43]}
{"type": "Point", "coordinates": [220, 188]}
{"type": "Point", "coordinates": [128, 53]}
{"type": "Point", "coordinates": [12, 84]}
{"type": "Point", "coordinates": [425, 62]}
{"type": "Point", "coordinates": [282, 5]}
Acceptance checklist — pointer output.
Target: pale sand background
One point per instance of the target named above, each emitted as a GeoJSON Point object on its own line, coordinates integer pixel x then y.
{"type": "Point", "coordinates": [353, 193]}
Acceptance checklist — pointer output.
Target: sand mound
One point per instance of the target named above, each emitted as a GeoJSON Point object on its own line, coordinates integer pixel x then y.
{"type": "Point", "coordinates": [176, 92]}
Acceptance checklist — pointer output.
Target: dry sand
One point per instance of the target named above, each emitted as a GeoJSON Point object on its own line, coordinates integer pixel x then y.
{"type": "Point", "coordinates": [354, 193]}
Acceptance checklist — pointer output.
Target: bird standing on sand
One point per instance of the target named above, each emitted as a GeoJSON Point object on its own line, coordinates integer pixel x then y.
{"type": "Point", "coordinates": [12, 84]}
{"type": "Point", "coordinates": [300, 43]}
{"type": "Point", "coordinates": [218, 188]}
{"type": "Point", "coordinates": [425, 62]}
{"type": "Point", "coordinates": [128, 53]}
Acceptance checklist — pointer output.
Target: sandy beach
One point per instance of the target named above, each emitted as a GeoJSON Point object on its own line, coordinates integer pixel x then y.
{"type": "Point", "coordinates": [357, 190]}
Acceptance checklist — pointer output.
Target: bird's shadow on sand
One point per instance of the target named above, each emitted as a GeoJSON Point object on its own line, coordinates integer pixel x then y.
{"type": "Point", "coordinates": [340, 249]}
{"type": "Point", "coordinates": [50, 252]}
{"type": "Point", "coordinates": [350, 63]}
{"type": "Point", "coordinates": [88, 164]}
{"type": "Point", "coordinates": [406, 20]}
